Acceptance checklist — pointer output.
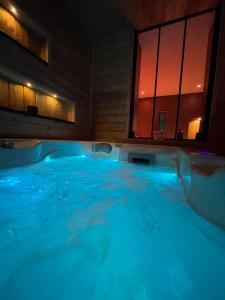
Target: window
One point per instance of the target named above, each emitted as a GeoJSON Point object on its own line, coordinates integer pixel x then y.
{"type": "Point", "coordinates": [172, 78]}
{"type": "Point", "coordinates": [168, 75]}
{"type": "Point", "coordinates": [21, 98]}
{"type": "Point", "coordinates": [197, 54]}
{"type": "Point", "coordinates": [145, 82]}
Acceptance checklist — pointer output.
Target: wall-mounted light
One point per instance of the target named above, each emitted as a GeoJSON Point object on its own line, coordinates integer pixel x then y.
{"type": "Point", "coordinates": [29, 84]}
{"type": "Point", "coordinates": [55, 96]}
{"type": "Point", "coordinates": [199, 86]}
{"type": "Point", "coordinates": [199, 119]}
{"type": "Point", "coordinates": [13, 10]}
{"type": "Point", "coordinates": [142, 92]}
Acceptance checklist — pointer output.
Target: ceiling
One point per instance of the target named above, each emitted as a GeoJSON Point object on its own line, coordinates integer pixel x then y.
{"type": "Point", "coordinates": [101, 16]}
{"type": "Point", "coordinates": [145, 13]}
{"type": "Point", "coordinates": [98, 16]}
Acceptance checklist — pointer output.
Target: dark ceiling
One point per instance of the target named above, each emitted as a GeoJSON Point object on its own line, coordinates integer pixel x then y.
{"type": "Point", "coordinates": [101, 16]}
{"type": "Point", "coordinates": [98, 16]}
{"type": "Point", "coordinates": [145, 13]}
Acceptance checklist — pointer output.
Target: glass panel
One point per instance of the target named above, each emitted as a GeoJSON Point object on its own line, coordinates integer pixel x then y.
{"type": "Point", "coordinates": [162, 121]}
{"type": "Point", "coordinates": [168, 81]}
{"type": "Point", "coordinates": [195, 75]}
{"type": "Point", "coordinates": [145, 82]}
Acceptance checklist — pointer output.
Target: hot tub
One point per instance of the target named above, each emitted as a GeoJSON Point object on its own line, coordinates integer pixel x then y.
{"type": "Point", "coordinates": [78, 221]}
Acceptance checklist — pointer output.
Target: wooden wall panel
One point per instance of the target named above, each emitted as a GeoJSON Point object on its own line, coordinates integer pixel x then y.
{"type": "Point", "coordinates": [4, 92]}
{"type": "Point", "coordinates": [35, 44]}
{"type": "Point", "coordinates": [16, 96]}
{"type": "Point", "coordinates": [57, 109]}
{"type": "Point", "coordinates": [7, 23]}
{"type": "Point", "coordinates": [146, 13]}
{"type": "Point", "coordinates": [14, 125]}
{"type": "Point", "coordinates": [12, 27]}
{"type": "Point", "coordinates": [29, 97]}
{"type": "Point", "coordinates": [71, 113]}
{"type": "Point", "coordinates": [22, 96]}
{"type": "Point", "coordinates": [20, 34]}
{"type": "Point", "coordinates": [64, 110]}
{"type": "Point", "coordinates": [53, 108]}
{"type": "Point", "coordinates": [44, 50]}
{"type": "Point", "coordinates": [68, 74]}
{"type": "Point", "coordinates": [50, 107]}
{"type": "Point", "coordinates": [41, 102]}
{"type": "Point", "coordinates": [19, 97]}
{"type": "Point", "coordinates": [67, 111]}
{"type": "Point", "coordinates": [111, 84]}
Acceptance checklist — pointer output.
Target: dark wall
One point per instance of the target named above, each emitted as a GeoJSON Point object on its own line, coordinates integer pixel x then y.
{"type": "Point", "coordinates": [217, 124]}
{"type": "Point", "coordinates": [68, 73]}
{"type": "Point", "coordinates": [111, 83]}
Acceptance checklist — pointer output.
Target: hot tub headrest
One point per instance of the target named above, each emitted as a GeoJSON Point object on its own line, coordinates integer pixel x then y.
{"type": "Point", "coordinates": [102, 147]}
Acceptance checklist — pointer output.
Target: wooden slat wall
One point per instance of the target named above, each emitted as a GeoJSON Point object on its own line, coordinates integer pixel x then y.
{"type": "Point", "coordinates": [64, 110]}
{"type": "Point", "coordinates": [4, 92]}
{"type": "Point", "coordinates": [41, 102]}
{"type": "Point", "coordinates": [29, 97]}
{"type": "Point", "coordinates": [71, 114]}
{"type": "Point", "coordinates": [16, 96]}
{"type": "Point", "coordinates": [7, 23]}
{"type": "Point", "coordinates": [112, 71]}
{"type": "Point", "coordinates": [68, 73]}
{"type": "Point", "coordinates": [21, 34]}
{"type": "Point", "coordinates": [29, 126]}
{"type": "Point", "coordinates": [53, 108]}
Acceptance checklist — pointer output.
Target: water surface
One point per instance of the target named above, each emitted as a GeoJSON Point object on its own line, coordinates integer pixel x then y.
{"type": "Point", "coordinates": [80, 228]}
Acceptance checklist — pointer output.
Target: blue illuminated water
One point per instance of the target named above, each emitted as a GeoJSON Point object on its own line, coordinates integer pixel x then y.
{"type": "Point", "coordinates": [78, 228]}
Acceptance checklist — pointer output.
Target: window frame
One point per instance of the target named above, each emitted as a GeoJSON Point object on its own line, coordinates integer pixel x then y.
{"type": "Point", "coordinates": [212, 71]}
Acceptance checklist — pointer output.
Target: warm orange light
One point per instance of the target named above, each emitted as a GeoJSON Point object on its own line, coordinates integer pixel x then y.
{"type": "Point", "coordinates": [199, 119]}
{"type": "Point", "coordinates": [13, 10]}
{"type": "Point", "coordinates": [142, 92]}
{"type": "Point", "coordinates": [199, 86]}
{"type": "Point", "coordinates": [29, 84]}
{"type": "Point", "coordinates": [55, 96]}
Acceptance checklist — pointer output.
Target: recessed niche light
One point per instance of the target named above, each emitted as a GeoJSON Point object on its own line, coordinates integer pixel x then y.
{"type": "Point", "coordinates": [29, 84]}
{"type": "Point", "coordinates": [13, 10]}
{"type": "Point", "coordinates": [199, 86]}
{"type": "Point", "coordinates": [55, 96]}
